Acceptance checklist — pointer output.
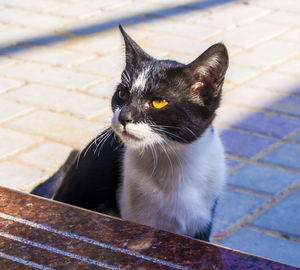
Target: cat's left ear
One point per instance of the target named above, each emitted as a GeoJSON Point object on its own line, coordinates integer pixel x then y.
{"type": "Point", "coordinates": [134, 53]}
{"type": "Point", "coordinates": [208, 70]}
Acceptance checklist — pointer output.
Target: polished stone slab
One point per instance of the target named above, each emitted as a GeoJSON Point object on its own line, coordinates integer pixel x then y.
{"type": "Point", "coordinates": [44, 234]}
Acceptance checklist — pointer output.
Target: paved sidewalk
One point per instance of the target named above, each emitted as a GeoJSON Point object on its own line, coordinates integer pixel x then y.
{"type": "Point", "coordinates": [61, 59]}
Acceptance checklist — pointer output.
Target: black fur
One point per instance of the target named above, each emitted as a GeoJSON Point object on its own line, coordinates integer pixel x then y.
{"type": "Point", "coordinates": [205, 234]}
{"type": "Point", "coordinates": [92, 181]}
{"type": "Point", "coordinates": [49, 187]}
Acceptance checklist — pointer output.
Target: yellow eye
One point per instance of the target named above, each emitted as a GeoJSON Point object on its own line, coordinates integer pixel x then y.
{"type": "Point", "coordinates": [158, 104]}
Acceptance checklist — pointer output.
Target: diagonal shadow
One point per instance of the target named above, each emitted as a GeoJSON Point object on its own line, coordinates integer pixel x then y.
{"type": "Point", "coordinates": [103, 26]}
{"type": "Point", "coordinates": [257, 168]}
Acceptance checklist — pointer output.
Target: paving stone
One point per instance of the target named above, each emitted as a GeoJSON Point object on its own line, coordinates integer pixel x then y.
{"type": "Point", "coordinates": [176, 44]}
{"type": "Point", "coordinates": [227, 86]}
{"type": "Point", "coordinates": [183, 58]}
{"type": "Point", "coordinates": [167, 2]}
{"type": "Point", "coordinates": [258, 98]}
{"type": "Point", "coordinates": [14, 34]}
{"type": "Point", "coordinates": [264, 245]}
{"type": "Point", "coordinates": [249, 35]}
{"type": "Point", "coordinates": [110, 19]}
{"type": "Point", "coordinates": [232, 163]}
{"type": "Point", "coordinates": [80, 9]}
{"type": "Point", "coordinates": [49, 39]}
{"type": "Point", "coordinates": [16, 38]}
{"type": "Point", "coordinates": [142, 8]}
{"type": "Point", "coordinates": [182, 29]}
{"type": "Point", "coordinates": [264, 123]}
{"type": "Point", "coordinates": [5, 61]}
{"type": "Point", "coordinates": [263, 179]}
{"type": "Point", "coordinates": [229, 115]}
{"type": "Point", "coordinates": [238, 74]}
{"type": "Point", "coordinates": [168, 12]}
{"type": "Point", "coordinates": [250, 96]}
{"type": "Point", "coordinates": [283, 217]}
{"type": "Point", "coordinates": [268, 124]}
{"type": "Point", "coordinates": [83, 9]}
{"type": "Point", "coordinates": [283, 17]}
{"type": "Point", "coordinates": [244, 144]}
{"type": "Point", "coordinates": [288, 5]}
{"type": "Point", "coordinates": [286, 155]}
{"type": "Point", "coordinates": [233, 15]}
{"type": "Point", "coordinates": [54, 76]}
{"type": "Point", "coordinates": [296, 139]}
{"type": "Point", "coordinates": [108, 65]}
{"type": "Point", "coordinates": [43, 6]}
{"type": "Point", "coordinates": [48, 156]}
{"type": "Point", "coordinates": [288, 104]}
{"type": "Point", "coordinates": [9, 109]}
{"type": "Point", "coordinates": [58, 126]}
{"type": "Point", "coordinates": [19, 177]}
{"type": "Point", "coordinates": [266, 55]}
{"type": "Point", "coordinates": [233, 206]}
{"type": "Point", "coordinates": [277, 81]}
{"type": "Point", "coordinates": [211, 6]}
{"type": "Point", "coordinates": [60, 100]}
{"type": "Point", "coordinates": [155, 52]}
{"type": "Point", "coordinates": [52, 56]}
{"type": "Point", "coordinates": [105, 89]}
{"type": "Point", "coordinates": [183, 12]}
{"type": "Point", "coordinates": [105, 42]}
{"type": "Point", "coordinates": [292, 35]}
{"type": "Point", "coordinates": [32, 19]}
{"type": "Point", "coordinates": [101, 43]}
{"type": "Point", "coordinates": [291, 67]}
{"type": "Point", "coordinates": [11, 143]}
{"type": "Point", "coordinates": [106, 118]}
{"type": "Point", "coordinates": [7, 84]}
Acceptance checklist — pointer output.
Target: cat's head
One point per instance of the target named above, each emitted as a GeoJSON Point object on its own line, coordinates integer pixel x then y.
{"type": "Point", "coordinates": [163, 100]}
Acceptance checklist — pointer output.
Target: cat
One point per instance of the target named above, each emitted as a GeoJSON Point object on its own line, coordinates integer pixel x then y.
{"type": "Point", "coordinates": [161, 163]}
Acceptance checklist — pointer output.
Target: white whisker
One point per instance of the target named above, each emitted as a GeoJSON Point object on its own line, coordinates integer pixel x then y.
{"type": "Point", "coordinates": [103, 141]}
{"type": "Point", "coordinates": [154, 154]}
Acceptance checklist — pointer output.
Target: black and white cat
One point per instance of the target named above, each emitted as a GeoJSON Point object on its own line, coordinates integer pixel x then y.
{"type": "Point", "coordinates": [161, 164]}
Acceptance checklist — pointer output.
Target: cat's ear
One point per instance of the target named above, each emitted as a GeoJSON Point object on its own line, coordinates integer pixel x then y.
{"type": "Point", "coordinates": [134, 53]}
{"type": "Point", "coordinates": [208, 70]}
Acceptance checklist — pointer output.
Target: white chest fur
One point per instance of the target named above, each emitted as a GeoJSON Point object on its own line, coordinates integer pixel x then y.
{"type": "Point", "coordinates": [174, 192]}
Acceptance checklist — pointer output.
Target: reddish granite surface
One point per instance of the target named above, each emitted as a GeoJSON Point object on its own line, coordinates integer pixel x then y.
{"type": "Point", "coordinates": [41, 234]}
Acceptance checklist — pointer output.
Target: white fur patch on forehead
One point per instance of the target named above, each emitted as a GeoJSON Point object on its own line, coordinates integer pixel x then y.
{"type": "Point", "coordinates": [139, 83]}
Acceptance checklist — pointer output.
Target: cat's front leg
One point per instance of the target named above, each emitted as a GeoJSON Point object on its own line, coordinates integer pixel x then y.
{"type": "Point", "coordinates": [204, 234]}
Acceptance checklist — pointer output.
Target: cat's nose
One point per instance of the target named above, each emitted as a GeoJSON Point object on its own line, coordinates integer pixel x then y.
{"type": "Point", "coordinates": [125, 116]}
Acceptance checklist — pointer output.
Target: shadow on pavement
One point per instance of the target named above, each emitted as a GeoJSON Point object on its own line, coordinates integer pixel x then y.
{"type": "Point", "coordinates": [110, 24]}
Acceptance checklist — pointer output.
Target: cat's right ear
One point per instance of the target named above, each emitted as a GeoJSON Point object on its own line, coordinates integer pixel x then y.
{"type": "Point", "coordinates": [207, 72]}
{"type": "Point", "coordinates": [134, 53]}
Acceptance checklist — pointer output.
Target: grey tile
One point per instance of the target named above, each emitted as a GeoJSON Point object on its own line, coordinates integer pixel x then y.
{"type": "Point", "coordinates": [283, 217]}
{"type": "Point", "coordinates": [264, 245]}
{"type": "Point", "coordinates": [263, 179]}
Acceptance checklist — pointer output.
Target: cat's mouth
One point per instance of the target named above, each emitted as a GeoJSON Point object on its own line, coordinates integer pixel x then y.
{"type": "Point", "coordinates": [126, 134]}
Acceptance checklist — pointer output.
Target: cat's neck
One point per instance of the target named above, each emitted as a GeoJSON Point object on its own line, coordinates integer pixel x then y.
{"type": "Point", "coordinates": [169, 160]}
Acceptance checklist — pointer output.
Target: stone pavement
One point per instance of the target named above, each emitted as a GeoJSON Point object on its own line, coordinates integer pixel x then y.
{"type": "Point", "coordinates": [61, 59]}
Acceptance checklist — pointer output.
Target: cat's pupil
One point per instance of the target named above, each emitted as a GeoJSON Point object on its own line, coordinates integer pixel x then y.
{"type": "Point", "coordinates": [124, 95]}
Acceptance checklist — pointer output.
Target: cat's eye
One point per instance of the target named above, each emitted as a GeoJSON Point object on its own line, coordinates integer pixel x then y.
{"type": "Point", "coordinates": [158, 104]}
{"type": "Point", "coordinates": [124, 95]}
